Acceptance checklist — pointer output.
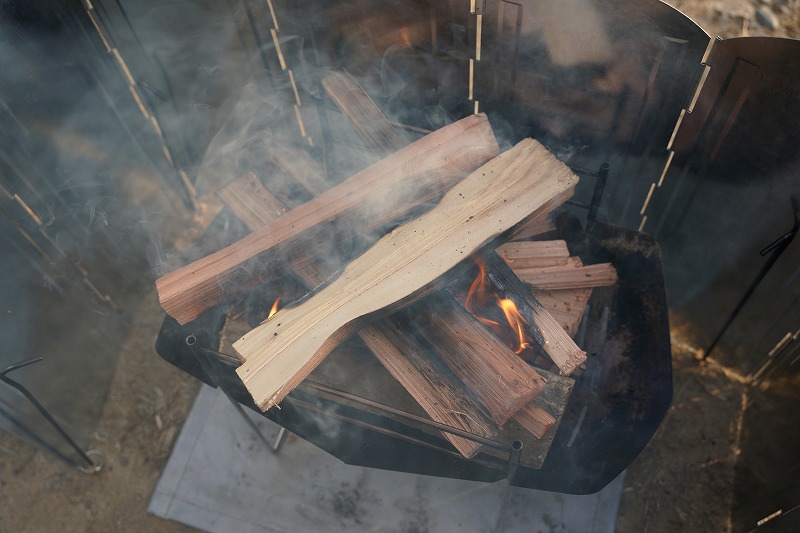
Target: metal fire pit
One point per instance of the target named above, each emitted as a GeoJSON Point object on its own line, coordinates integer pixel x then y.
{"type": "Point", "coordinates": [614, 409]}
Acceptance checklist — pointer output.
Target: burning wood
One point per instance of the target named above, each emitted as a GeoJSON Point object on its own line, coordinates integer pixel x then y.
{"type": "Point", "coordinates": [426, 377]}
{"type": "Point", "coordinates": [544, 329]}
{"type": "Point", "coordinates": [497, 378]}
{"type": "Point", "coordinates": [438, 389]}
{"type": "Point", "coordinates": [443, 396]}
{"type": "Point", "coordinates": [435, 161]}
{"type": "Point", "coordinates": [402, 265]}
{"type": "Point", "coordinates": [461, 374]}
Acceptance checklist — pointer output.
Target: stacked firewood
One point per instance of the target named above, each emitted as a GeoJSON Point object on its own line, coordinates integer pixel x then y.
{"type": "Point", "coordinates": [471, 380]}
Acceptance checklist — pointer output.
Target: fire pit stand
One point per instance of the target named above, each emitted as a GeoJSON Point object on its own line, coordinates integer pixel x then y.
{"type": "Point", "coordinates": [613, 411]}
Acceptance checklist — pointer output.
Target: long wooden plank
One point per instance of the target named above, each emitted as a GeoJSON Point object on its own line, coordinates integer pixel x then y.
{"type": "Point", "coordinates": [568, 276]}
{"type": "Point", "coordinates": [300, 166]}
{"type": "Point", "coordinates": [490, 201]}
{"type": "Point", "coordinates": [566, 306]}
{"type": "Point", "coordinates": [365, 117]}
{"type": "Point", "coordinates": [426, 377]}
{"type": "Point", "coordinates": [534, 254]}
{"type": "Point", "coordinates": [251, 202]}
{"type": "Point", "coordinates": [435, 161]}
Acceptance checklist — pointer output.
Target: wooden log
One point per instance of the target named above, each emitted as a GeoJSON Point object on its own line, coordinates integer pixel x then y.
{"type": "Point", "coordinates": [439, 160]}
{"type": "Point", "coordinates": [545, 223]}
{"type": "Point", "coordinates": [500, 380]}
{"type": "Point", "coordinates": [441, 394]}
{"type": "Point", "coordinates": [401, 266]}
{"type": "Point", "coordinates": [566, 306]}
{"type": "Point", "coordinates": [250, 202]}
{"type": "Point", "coordinates": [544, 329]}
{"type": "Point", "coordinates": [300, 166]}
{"type": "Point", "coordinates": [429, 381]}
{"type": "Point", "coordinates": [362, 113]}
{"type": "Point", "coordinates": [568, 276]}
{"type": "Point", "coordinates": [535, 419]}
{"type": "Point", "coordinates": [534, 254]}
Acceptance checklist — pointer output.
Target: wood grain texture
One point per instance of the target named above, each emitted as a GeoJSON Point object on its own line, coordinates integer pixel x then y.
{"type": "Point", "coordinates": [437, 160]}
{"type": "Point", "coordinates": [440, 393]}
{"type": "Point", "coordinates": [429, 381]}
{"type": "Point", "coordinates": [540, 324]}
{"type": "Point", "coordinates": [535, 419]}
{"type": "Point", "coordinates": [544, 223]}
{"type": "Point", "coordinates": [300, 166]}
{"type": "Point", "coordinates": [568, 276]}
{"type": "Point", "coordinates": [496, 376]}
{"type": "Point", "coordinates": [250, 202]}
{"type": "Point", "coordinates": [366, 118]}
{"type": "Point", "coordinates": [534, 254]}
{"type": "Point", "coordinates": [490, 201]}
{"type": "Point", "coordinates": [566, 306]}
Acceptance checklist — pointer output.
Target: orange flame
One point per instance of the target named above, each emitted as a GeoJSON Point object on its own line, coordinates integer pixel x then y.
{"type": "Point", "coordinates": [515, 320]}
{"type": "Point", "coordinates": [477, 294]}
{"type": "Point", "coordinates": [274, 308]}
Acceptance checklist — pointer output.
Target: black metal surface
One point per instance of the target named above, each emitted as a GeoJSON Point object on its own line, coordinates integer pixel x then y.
{"type": "Point", "coordinates": [626, 389]}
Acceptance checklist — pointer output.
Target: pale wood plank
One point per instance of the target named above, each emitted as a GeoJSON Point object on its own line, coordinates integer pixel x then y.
{"type": "Point", "coordinates": [433, 162]}
{"type": "Point", "coordinates": [490, 201]}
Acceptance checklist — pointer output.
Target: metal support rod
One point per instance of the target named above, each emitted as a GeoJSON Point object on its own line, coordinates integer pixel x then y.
{"type": "Point", "coordinates": [45, 413]}
{"type": "Point", "coordinates": [203, 355]}
{"type": "Point", "coordinates": [775, 249]}
{"type": "Point", "coordinates": [597, 194]}
{"type": "Point", "coordinates": [514, 458]}
{"type": "Point", "coordinates": [239, 409]}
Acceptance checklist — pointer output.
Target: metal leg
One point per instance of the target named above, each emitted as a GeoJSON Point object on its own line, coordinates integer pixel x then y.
{"type": "Point", "coordinates": [514, 458]}
{"type": "Point", "coordinates": [775, 249]}
{"type": "Point", "coordinates": [91, 466]}
{"type": "Point", "coordinates": [273, 446]}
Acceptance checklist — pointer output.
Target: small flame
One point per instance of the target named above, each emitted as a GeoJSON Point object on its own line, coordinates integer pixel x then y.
{"type": "Point", "coordinates": [515, 320]}
{"type": "Point", "coordinates": [477, 295]}
{"type": "Point", "coordinates": [274, 307]}
{"type": "Point", "coordinates": [405, 37]}
{"type": "Point", "coordinates": [273, 310]}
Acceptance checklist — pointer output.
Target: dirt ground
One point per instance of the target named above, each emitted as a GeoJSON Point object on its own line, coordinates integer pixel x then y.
{"type": "Point", "coordinates": [683, 481]}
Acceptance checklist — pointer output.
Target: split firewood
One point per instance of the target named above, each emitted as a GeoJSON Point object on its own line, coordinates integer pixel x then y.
{"type": "Point", "coordinates": [485, 364]}
{"type": "Point", "coordinates": [401, 266]}
{"type": "Point", "coordinates": [568, 276]}
{"type": "Point", "coordinates": [566, 306]}
{"type": "Point", "coordinates": [441, 395]}
{"type": "Point", "coordinates": [421, 373]}
{"type": "Point", "coordinates": [300, 166]}
{"type": "Point", "coordinates": [362, 113]}
{"type": "Point", "coordinates": [435, 161]}
{"type": "Point", "coordinates": [534, 254]}
{"type": "Point", "coordinates": [497, 377]}
{"type": "Point", "coordinates": [426, 377]}
{"type": "Point", "coordinates": [251, 202]}
{"type": "Point", "coordinates": [536, 227]}
{"type": "Point", "coordinates": [544, 329]}
{"type": "Point", "coordinates": [535, 419]}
